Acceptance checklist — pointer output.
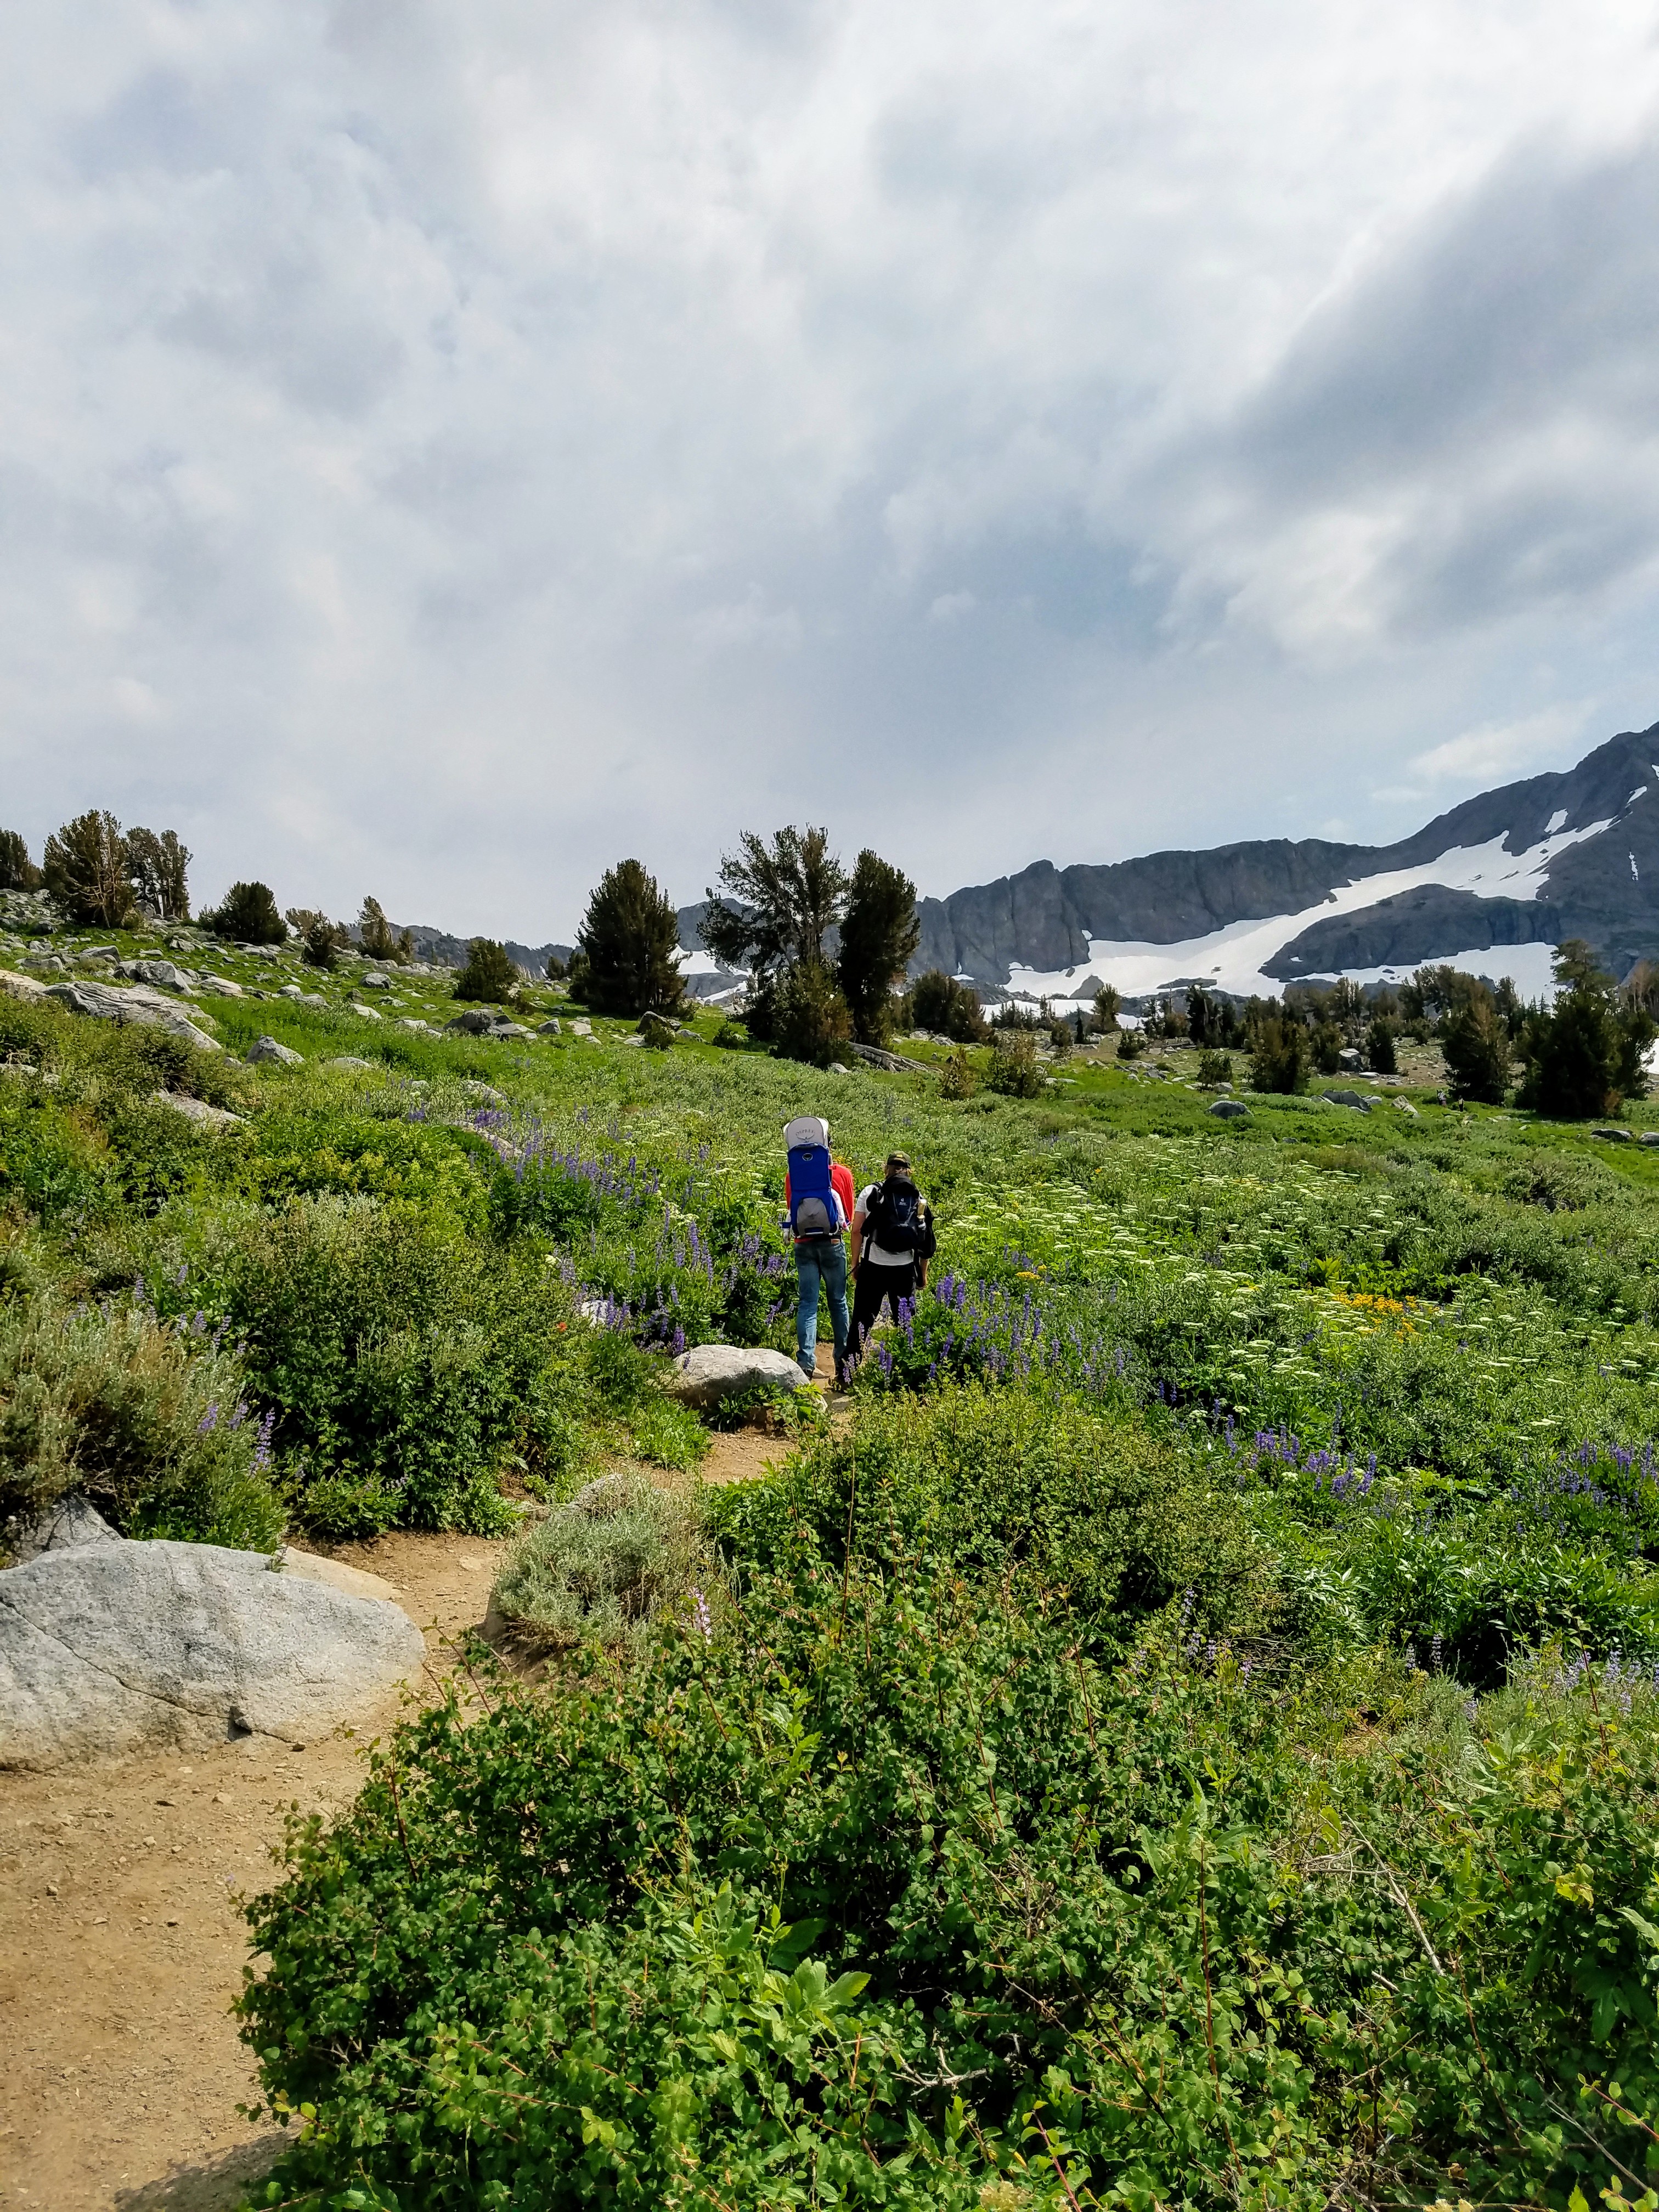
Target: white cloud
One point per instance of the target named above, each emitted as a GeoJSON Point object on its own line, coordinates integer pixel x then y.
{"type": "Point", "coordinates": [1497, 752]}
{"type": "Point", "coordinates": [490, 440]}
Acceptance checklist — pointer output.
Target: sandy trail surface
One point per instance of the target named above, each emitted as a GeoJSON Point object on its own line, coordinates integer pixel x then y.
{"type": "Point", "coordinates": [121, 1946]}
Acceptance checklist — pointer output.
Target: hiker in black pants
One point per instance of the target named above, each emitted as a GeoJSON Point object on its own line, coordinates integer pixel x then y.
{"type": "Point", "coordinates": [892, 1242]}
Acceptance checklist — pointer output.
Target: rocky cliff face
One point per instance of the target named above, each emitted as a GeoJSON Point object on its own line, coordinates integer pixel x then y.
{"type": "Point", "coordinates": [1602, 886]}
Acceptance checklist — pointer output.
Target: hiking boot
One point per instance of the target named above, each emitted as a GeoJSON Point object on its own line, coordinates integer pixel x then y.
{"type": "Point", "coordinates": [809, 1368]}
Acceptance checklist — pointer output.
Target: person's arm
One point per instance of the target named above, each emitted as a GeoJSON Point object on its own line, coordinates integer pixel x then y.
{"type": "Point", "coordinates": [855, 1240]}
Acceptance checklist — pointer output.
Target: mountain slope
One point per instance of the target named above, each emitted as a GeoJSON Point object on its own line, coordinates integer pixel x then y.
{"type": "Point", "coordinates": [1568, 854]}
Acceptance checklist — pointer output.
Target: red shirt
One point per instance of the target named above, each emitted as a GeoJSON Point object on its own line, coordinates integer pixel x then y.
{"type": "Point", "coordinates": [840, 1182]}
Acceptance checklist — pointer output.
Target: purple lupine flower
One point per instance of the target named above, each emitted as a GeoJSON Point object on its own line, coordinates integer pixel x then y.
{"type": "Point", "coordinates": [704, 1619]}
{"type": "Point", "coordinates": [209, 1420]}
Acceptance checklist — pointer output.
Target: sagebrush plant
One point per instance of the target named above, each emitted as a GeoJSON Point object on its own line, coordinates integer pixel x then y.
{"type": "Point", "coordinates": [156, 1422]}
{"type": "Point", "coordinates": [600, 1569]}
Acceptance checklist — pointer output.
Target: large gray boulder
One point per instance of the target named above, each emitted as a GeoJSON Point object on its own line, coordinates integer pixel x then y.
{"type": "Point", "coordinates": [268, 1049]}
{"type": "Point", "coordinates": [164, 973]}
{"type": "Point", "coordinates": [1230, 1109]}
{"type": "Point", "coordinates": [109, 1649]}
{"type": "Point", "coordinates": [710, 1372]}
{"type": "Point", "coordinates": [197, 1110]}
{"type": "Point", "coordinates": [141, 1004]}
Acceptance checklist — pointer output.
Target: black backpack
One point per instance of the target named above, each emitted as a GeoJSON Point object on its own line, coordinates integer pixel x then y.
{"type": "Point", "coordinates": [896, 1219]}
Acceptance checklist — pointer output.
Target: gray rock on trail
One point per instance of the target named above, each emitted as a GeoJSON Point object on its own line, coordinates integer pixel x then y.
{"type": "Point", "coordinates": [266, 1049]}
{"type": "Point", "coordinates": [72, 1521]}
{"type": "Point", "coordinates": [335, 1574]}
{"type": "Point", "coordinates": [199, 1110]}
{"type": "Point", "coordinates": [709, 1372]}
{"type": "Point", "coordinates": [109, 1649]}
{"type": "Point", "coordinates": [141, 1004]}
{"type": "Point", "coordinates": [1230, 1109]}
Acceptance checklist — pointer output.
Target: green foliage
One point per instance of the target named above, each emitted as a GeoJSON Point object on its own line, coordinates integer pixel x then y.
{"type": "Point", "coordinates": [1379, 1046]}
{"type": "Point", "coordinates": [1108, 1004]}
{"type": "Point", "coordinates": [789, 894]}
{"type": "Point", "coordinates": [488, 974]}
{"type": "Point", "coordinates": [380, 940]}
{"type": "Point", "coordinates": [939, 1003]}
{"type": "Point", "coordinates": [247, 915]}
{"type": "Point", "coordinates": [1476, 1045]}
{"type": "Point", "coordinates": [879, 934]}
{"type": "Point", "coordinates": [1214, 1068]}
{"type": "Point", "coordinates": [158, 867]}
{"type": "Point", "coordinates": [320, 943]}
{"type": "Point", "coordinates": [957, 1078]}
{"type": "Point", "coordinates": [810, 1020]}
{"type": "Point", "coordinates": [604, 1567]}
{"type": "Point", "coordinates": [150, 1420]}
{"type": "Point", "coordinates": [17, 871]}
{"type": "Point", "coordinates": [1014, 1072]}
{"type": "Point", "coordinates": [629, 942]}
{"type": "Point", "coordinates": [1585, 1056]}
{"type": "Point", "coordinates": [85, 868]}
{"type": "Point", "coordinates": [1279, 1055]}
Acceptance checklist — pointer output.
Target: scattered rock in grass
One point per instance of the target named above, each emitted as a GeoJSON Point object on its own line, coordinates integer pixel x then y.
{"type": "Point", "coordinates": [890, 1063]}
{"type": "Point", "coordinates": [266, 1049]}
{"type": "Point", "coordinates": [345, 1059]}
{"type": "Point", "coordinates": [162, 973]}
{"type": "Point", "coordinates": [1649, 1137]}
{"type": "Point", "coordinates": [1405, 1106]}
{"type": "Point", "coordinates": [549, 1028]}
{"type": "Point", "coordinates": [1354, 1098]}
{"type": "Point", "coordinates": [21, 986]}
{"type": "Point", "coordinates": [290, 991]}
{"type": "Point", "coordinates": [487, 1091]}
{"type": "Point", "coordinates": [219, 987]}
{"type": "Point", "coordinates": [366, 1013]}
{"type": "Point", "coordinates": [1613, 1136]}
{"type": "Point", "coordinates": [373, 980]}
{"type": "Point", "coordinates": [72, 1520]}
{"type": "Point", "coordinates": [709, 1372]}
{"type": "Point", "coordinates": [110, 1649]}
{"type": "Point", "coordinates": [581, 1028]}
{"type": "Point", "coordinates": [839, 1067]}
{"type": "Point", "coordinates": [197, 1110]}
{"type": "Point", "coordinates": [1230, 1109]}
{"type": "Point", "coordinates": [141, 1006]}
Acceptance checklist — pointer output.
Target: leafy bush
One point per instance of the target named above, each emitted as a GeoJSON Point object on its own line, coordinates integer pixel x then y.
{"type": "Point", "coordinates": [886, 1887]}
{"type": "Point", "coordinates": [603, 1567]}
{"type": "Point", "coordinates": [247, 915]}
{"type": "Point", "coordinates": [1014, 1073]}
{"type": "Point", "coordinates": [1379, 1047]}
{"type": "Point", "coordinates": [809, 1019]}
{"type": "Point", "coordinates": [939, 1003]}
{"type": "Point", "coordinates": [669, 1435]}
{"type": "Point", "coordinates": [151, 1421]}
{"type": "Point", "coordinates": [957, 1079]}
{"type": "Point", "coordinates": [1214, 1068]}
{"type": "Point", "coordinates": [1279, 1055]}
{"type": "Point", "coordinates": [488, 974]}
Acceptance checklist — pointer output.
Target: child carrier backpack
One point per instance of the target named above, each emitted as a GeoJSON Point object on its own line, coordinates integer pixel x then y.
{"type": "Point", "coordinates": [896, 1220]}
{"type": "Point", "coordinates": [813, 1209]}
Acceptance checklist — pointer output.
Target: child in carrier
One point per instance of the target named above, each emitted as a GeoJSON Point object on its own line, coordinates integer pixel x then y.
{"type": "Point", "coordinates": [818, 1195]}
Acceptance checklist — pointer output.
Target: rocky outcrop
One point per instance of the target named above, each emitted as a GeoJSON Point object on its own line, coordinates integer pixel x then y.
{"type": "Point", "coordinates": [711, 1372]}
{"type": "Point", "coordinates": [109, 1649]}
{"type": "Point", "coordinates": [269, 1051]}
{"type": "Point", "coordinates": [141, 1003]}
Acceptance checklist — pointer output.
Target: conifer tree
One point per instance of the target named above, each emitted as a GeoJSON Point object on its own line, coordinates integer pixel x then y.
{"type": "Point", "coordinates": [628, 943]}
{"type": "Point", "coordinates": [87, 870]}
{"type": "Point", "coordinates": [879, 934]}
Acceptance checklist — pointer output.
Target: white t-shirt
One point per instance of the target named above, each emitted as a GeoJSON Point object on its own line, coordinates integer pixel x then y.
{"type": "Point", "coordinates": [871, 1250]}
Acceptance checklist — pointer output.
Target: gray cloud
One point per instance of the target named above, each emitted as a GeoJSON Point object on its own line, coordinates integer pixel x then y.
{"type": "Point", "coordinates": [445, 449]}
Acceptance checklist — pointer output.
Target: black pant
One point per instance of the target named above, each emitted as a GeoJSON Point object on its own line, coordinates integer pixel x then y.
{"type": "Point", "coordinates": [872, 1285]}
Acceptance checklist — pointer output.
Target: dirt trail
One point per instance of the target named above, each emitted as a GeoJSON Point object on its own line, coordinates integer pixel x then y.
{"type": "Point", "coordinates": [121, 1946]}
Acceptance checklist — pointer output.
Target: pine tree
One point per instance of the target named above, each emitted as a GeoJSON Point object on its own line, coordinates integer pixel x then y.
{"type": "Point", "coordinates": [247, 915]}
{"type": "Point", "coordinates": [791, 893]}
{"type": "Point", "coordinates": [17, 871]}
{"type": "Point", "coordinates": [87, 870]}
{"type": "Point", "coordinates": [1587, 1055]}
{"type": "Point", "coordinates": [879, 934]}
{"type": "Point", "coordinates": [488, 974]}
{"type": "Point", "coordinates": [810, 1018]}
{"type": "Point", "coordinates": [157, 867]}
{"type": "Point", "coordinates": [379, 939]}
{"type": "Point", "coordinates": [629, 943]}
{"type": "Point", "coordinates": [1476, 1045]}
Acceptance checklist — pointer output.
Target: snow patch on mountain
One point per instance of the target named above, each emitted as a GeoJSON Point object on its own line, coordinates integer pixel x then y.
{"type": "Point", "coordinates": [1234, 959]}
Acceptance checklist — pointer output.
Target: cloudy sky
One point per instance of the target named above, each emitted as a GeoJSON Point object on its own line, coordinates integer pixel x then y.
{"type": "Point", "coordinates": [447, 445]}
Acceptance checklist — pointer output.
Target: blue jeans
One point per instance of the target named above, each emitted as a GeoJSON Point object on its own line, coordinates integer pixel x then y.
{"type": "Point", "coordinates": [823, 1263]}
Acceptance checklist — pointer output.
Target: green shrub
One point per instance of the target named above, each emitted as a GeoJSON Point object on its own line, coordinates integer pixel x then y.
{"type": "Point", "coordinates": [957, 1079]}
{"type": "Point", "coordinates": [809, 1019]}
{"type": "Point", "coordinates": [152, 1421]}
{"type": "Point", "coordinates": [1014, 1072]}
{"type": "Point", "coordinates": [1279, 1055]}
{"type": "Point", "coordinates": [489, 974]}
{"type": "Point", "coordinates": [603, 1567]}
{"type": "Point", "coordinates": [1379, 1047]}
{"type": "Point", "coordinates": [1009, 1483]}
{"type": "Point", "coordinates": [668, 1434]}
{"type": "Point", "coordinates": [1214, 1068]}
{"type": "Point", "coordinates": [247, 915]}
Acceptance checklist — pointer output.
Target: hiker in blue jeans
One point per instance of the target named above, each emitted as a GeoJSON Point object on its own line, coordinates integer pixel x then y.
{"type": "Point", "coordinates": [817, 1193]}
